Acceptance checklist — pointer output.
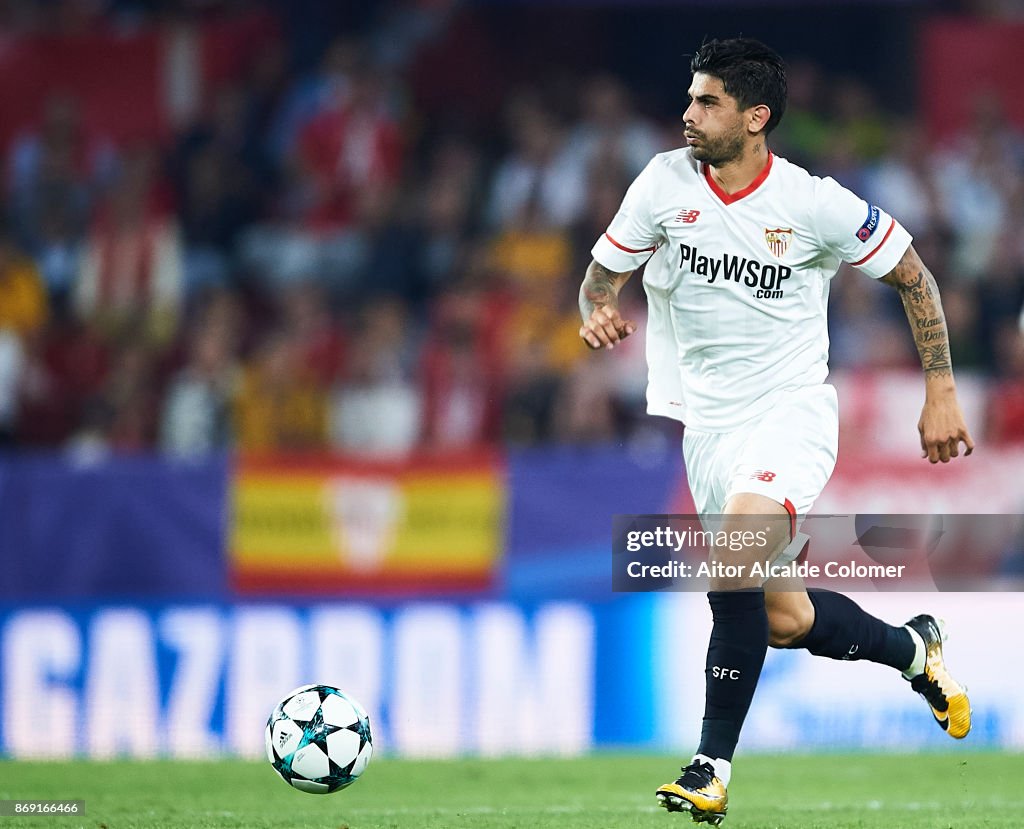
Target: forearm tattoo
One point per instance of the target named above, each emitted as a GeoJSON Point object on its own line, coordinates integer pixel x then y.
{"type": "Point", "coordinates": [920, 295]}
{"type": "Point", "coordinates": [599, 289]}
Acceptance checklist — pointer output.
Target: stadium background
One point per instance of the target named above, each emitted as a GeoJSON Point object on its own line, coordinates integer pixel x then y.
{"type": "Point", "coordinates": [290, 389]}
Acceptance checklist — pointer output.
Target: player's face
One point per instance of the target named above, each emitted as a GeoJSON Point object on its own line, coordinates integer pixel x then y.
{"type": "Point", "coordinates": [714, 122]}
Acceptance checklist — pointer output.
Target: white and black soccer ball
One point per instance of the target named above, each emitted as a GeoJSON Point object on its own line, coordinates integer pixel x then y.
{"type": "Point", "coordinates": [318, 739]}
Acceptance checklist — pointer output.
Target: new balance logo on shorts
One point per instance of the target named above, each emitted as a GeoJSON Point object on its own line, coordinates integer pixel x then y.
{"type": "Point", "coordinates": [762, 475]}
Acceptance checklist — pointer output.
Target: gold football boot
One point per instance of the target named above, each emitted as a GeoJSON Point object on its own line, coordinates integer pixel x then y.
{"type": "Point", "coordinates": [699, 792]}
{"type": "Point", "coordinates": [946, 698]}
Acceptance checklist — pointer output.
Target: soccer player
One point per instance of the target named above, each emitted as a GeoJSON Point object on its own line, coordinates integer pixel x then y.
{"type": "Point", "coordinates": [740, 246]}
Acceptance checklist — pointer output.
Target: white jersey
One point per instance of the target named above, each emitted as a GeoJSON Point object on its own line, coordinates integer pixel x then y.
{"type": "Point", "coordinates": [737, 285]}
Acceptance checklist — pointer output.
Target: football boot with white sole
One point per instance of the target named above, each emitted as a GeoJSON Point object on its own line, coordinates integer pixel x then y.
{"type": "Point", "coordinates": [946, 698]}
{"type": "Point", "coordinates": [697, 791]}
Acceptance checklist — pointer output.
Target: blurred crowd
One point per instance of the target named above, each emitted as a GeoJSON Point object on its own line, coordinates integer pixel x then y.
{"type": "Point", "coordinates": [318, 262]}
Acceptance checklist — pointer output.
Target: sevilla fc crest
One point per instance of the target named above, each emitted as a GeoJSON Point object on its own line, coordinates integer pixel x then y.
{"type": "Point", "coordinates": [778, 240]}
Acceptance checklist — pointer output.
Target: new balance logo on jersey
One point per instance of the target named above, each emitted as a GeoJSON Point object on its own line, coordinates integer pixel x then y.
{"type": "Point", "coordinates": [765, 279]}
{"type": "Point", "coordinates": [687, 216]}
{"type": "Point", "coordinates": [762, 475]}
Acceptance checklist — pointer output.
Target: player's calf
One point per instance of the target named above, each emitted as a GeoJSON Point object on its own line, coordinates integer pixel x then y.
{"type": "Point", "coordinates": [841, 629]}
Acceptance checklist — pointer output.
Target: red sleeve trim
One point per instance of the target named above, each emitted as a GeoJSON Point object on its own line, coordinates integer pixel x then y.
{"type": "Point", "coordinates": [629, 250]}
{"type": "Point", "coordinates": [888, 233]}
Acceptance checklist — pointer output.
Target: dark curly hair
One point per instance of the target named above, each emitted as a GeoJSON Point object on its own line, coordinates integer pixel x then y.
{"type": "Point", "coordinates": [751, 72]}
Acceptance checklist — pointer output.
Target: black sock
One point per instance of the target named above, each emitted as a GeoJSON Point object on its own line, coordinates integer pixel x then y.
{"type": "Point", "coordinates": [842, 630]}
{"type": "Point", "coordinates": [739, 641]}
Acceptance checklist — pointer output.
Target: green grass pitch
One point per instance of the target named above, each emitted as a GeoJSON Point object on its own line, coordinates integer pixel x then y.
{"type": "Point", "coordinates": [958, 790]}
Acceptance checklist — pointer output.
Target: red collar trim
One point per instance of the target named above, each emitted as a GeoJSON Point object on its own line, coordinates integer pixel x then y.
{"type": "Point", "coordinates": [729, 198]}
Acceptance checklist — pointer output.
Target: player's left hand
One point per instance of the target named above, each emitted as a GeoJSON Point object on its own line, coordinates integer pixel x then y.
{"type": "Point", "coordinates": [943, 429]}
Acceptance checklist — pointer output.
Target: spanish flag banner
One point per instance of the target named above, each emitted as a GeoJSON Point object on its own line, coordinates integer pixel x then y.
{"type": "Point", "coordinates": [337, 525]}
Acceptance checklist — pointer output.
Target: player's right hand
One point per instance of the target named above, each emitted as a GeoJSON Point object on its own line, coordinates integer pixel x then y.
{"type": "Point", "coordinates": [605, 327]}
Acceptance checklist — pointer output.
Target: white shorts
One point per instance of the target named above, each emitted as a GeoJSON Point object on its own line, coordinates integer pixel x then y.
{"type": "Point", "coordinates": [787, 454]}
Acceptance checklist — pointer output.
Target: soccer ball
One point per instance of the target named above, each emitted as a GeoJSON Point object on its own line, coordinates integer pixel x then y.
{"type": "Point", "coordinates": [318, 739]}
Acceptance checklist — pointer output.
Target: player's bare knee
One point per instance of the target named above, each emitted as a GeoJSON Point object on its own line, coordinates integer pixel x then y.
{"type": "Point", "coordinates": [788, 625]}
{"type": "Point", "coordinates": [733, 583]}
{"type": "Point", "coordinates": [736, 569]}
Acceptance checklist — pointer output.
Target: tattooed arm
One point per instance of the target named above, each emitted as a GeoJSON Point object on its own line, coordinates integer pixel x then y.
{"type": "Point", "coordinates": [599, 306]}
{"type": "Point", "coordinates": [942, 427]}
